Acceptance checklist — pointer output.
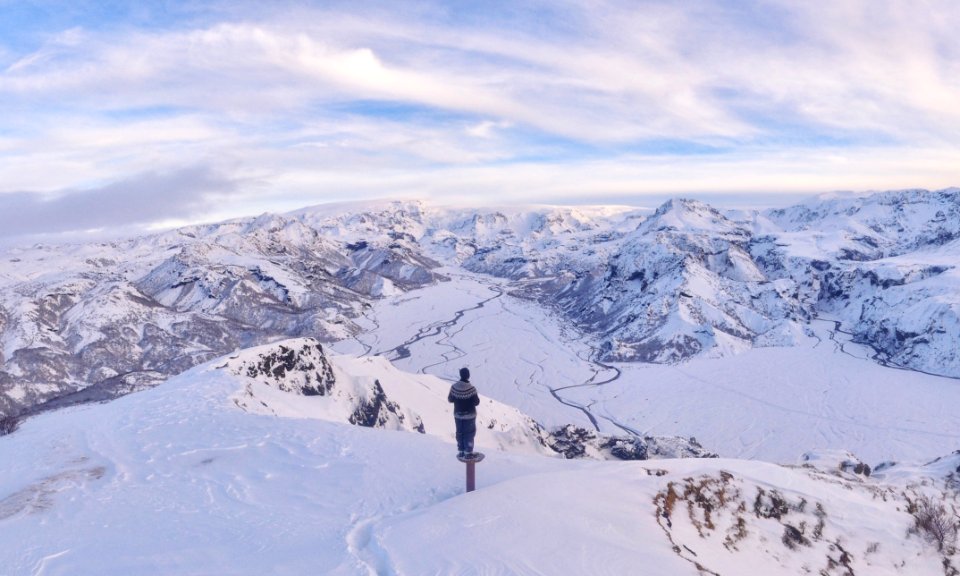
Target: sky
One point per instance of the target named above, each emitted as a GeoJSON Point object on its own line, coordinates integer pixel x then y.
{"type": "Point", "coordinates": [125, 114]}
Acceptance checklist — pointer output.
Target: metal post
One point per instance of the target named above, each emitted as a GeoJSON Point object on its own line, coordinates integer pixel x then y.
{"type": "Point", "coordinates": [471, 462]}
{"type": "Point", "coordinates": [471, 476]}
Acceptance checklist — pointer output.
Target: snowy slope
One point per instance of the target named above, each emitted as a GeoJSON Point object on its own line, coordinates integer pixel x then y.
{"type": "Point", "coordinates": [299, 378]}
{"type": "Point", "coordinates": [181, 479]}
{"type": "Point", "coordinates": [886, 265]}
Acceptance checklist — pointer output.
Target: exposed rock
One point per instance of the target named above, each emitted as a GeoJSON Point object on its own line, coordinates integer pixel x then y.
{"type": "Point", "coordinates": [303, 370]}
{"type": "Point", "coordinates": [576, 442]}
{"type": "Point", "coordinates": [376, 411]}
{"type": "Point", "coordinates": [836, 462]}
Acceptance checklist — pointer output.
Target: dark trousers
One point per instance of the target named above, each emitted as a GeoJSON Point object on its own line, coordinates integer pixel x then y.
{"type": "Point", "coordinates": [466, 430]}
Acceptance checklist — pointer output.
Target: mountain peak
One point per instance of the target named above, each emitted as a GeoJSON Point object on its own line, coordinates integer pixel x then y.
{"type": "Point", "coordinates": [688, 215]}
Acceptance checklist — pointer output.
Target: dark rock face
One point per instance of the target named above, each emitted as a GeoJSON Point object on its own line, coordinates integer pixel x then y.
{"type": "Point", "coordinates": [770, 505]}
{"type": "Point", "coordinates": [856, 468]}
{"type": "Point", "coordinates": [376, 411]}
{"type": "Point", "coordinates": [626, 448]}
{"type": "Point", "coordinates": [303, 370]}
{"type": "Point", "coordinates": [570, 441]}
{"type": "Point", "coordinates": [300, 367]}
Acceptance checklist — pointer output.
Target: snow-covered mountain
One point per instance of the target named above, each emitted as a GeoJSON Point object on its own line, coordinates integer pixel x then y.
{"type": "Point", "coordinates": [682, 283]}
{"type": "Point", "coordinates": [886, 266]}
{"type": "Point", "coordinates": [249, 464]}
{"type": "Point", "coordinates": [102, 319]}
{"type": "Point", "coordinates": [94, 321]}
{"type": "Point", "coordinates": [691, 280]}
{"type": "Point", "coordinates": [271, 455]}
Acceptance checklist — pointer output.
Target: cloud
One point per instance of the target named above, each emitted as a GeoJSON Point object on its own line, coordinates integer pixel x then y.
{"type": "Point", "coordinates": [531, 99]}
{"type": "Point", "coordinates": [630, 179]}
{"type": "Point", "coordinates": [487, 128]}
{"type": "Point", "coordinates": [139, 200]}
{"type": "Point", "coordinates": [624, 72]}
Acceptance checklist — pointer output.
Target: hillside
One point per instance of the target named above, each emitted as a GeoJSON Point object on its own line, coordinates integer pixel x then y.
{"type": "Point", "coordinates": [187, 478]}
{"type": "Point", "coordinates": [105, 319]}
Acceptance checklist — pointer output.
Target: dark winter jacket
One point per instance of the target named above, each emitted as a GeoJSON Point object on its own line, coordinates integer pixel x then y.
{"type": "Point", "coordinates": [465, 400]}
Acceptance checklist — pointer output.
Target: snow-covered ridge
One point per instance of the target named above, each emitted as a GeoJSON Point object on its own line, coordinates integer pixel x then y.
{"type": "Point", "coordinates": [183, 478]}
{"type": "Point", "coordinates": [298, 378]}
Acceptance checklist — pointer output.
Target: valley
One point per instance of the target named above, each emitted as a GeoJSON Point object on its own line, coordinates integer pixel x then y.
{"type": "Point", "coordinates": [771, 403]}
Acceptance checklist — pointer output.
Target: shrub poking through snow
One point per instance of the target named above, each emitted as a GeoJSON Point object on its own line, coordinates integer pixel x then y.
{"type": "Point", "coordinates": [934, 522]}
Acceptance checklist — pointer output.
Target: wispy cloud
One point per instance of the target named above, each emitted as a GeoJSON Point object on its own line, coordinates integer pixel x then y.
{"type": "Point", "coordinates": [349, 98]}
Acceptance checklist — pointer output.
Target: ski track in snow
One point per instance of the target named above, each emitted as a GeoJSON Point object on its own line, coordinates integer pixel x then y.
{"type": "Point", "coordinates": [41, 567]}
{"type": "Point", "coordinates": [362, 545]}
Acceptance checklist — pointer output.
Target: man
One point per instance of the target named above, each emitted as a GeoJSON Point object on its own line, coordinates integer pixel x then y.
{"type": "Point", "coordinates": [465, 401]}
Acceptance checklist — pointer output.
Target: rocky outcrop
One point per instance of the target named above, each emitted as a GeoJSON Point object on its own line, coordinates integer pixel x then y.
{"type": "Point", "coordinates": [376, 411]}
{"type": "Point", "coordinates": [575, 442]}
{"type": "Point", "coordinates": [300, 369]}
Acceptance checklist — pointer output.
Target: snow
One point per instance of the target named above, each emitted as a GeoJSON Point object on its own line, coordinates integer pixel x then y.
{"type": "Point", "coordinates": [179, 480]}
{"type": "Point", "coordinates": [514, 351]}
{"type": "Point", "coordinates": [547, 523]}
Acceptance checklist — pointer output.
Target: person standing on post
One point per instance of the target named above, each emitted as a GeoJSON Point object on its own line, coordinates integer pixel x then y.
{"type": "Point", "coordinates": [465, 401]}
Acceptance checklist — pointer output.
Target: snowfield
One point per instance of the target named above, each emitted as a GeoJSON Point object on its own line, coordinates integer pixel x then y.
{"type": "Point", "coordinates": [184, 479]}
